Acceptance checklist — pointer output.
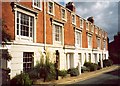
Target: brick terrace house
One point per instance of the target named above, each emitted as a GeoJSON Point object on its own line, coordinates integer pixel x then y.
{"type": "Point", "coordinates": [114, 49]}
{"type": "Point", "coordinates": [36, 26]}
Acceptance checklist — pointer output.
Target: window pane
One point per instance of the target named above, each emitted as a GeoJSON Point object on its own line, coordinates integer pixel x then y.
{"type": "Point", "coordinates": [25, 25]}
{"type": "Point", "coordinates": [63, 13]}
{"type": "Point", "coordinates": [58, 33]}
{"type": "Point", "coordinates": [37, 3]}
{"type": "Point", "coordinates": [50, 7]}
{"type": "Point", "coordinates": [27, 60]}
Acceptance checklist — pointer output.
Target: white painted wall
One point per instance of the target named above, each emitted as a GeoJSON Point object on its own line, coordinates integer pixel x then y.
{"type": "Point", "coordinates": [16, 51]}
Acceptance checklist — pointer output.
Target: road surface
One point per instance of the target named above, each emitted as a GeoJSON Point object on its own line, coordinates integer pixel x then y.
{"type": "Point", "coordinates": [111, 78]}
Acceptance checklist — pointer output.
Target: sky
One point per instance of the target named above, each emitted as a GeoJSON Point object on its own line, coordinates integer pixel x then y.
{"type": "Point", "coordinates": [105, 13]}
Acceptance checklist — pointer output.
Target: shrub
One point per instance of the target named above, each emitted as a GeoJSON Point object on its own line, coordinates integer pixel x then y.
{"type": "Point", "coordinates": [84, 68]}
{"type": "Point", "coordinates": [107, 62]}
{"type": "Point", "coordinates": [44, 69]}
{"type": "Point", "coordinates": [73, 71]}
{"type": "Point", "coordinates": [33, 74]}
{"type": "Point", "coordinates": [91, 66]}
{"type": "Point", "coordinates": [21, 80]}
{"type": "Point", "coordinates": [50, 72]}
{"type": "Point", "coordinates": [62, 73]}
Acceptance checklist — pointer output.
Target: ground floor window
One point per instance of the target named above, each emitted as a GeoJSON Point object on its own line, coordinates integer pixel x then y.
{"type": "Point", "coordinates": [27, 60]}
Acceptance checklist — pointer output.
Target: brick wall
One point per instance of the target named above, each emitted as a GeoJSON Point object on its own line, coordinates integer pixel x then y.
{"type": "Point", "coordinates": [69, 30]}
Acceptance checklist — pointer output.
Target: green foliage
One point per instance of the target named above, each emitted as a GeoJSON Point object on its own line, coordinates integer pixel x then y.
{"type": "Point", "coordinates": [84, 68]}
{"type": "Point", "coordinates": [21, 80]}
{"type": "Point", "coordinates": [107, 62]}
{"type": "Point", "coordinates": [73, 71]}
{"type": "Point", "coordinates": [50, 72]}
{"type": "Point", "coordinates": [91, 66]}
{"type": "Point", "coordinates": [62, 73]}
{"type": "Point", "coordinates": [33, 74]}
{"type": "Point", "coordinates": [6, 55]}
{"type": "Point", "coordinates": [44, 69]}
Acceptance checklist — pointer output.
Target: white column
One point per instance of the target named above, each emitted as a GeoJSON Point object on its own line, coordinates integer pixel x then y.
{"type": "Point", "coordinates": [101, 61]}
{"type": "Point", "coordinates": [79, 67]}
{"type": "Point", "coordinates": [68, 61]}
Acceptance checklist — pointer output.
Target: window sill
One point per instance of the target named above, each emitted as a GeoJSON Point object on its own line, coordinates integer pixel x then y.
{"type": "Point", "coordinates": [64, 19]}
{"type": "Point", "coordinates": [73, 23]}
{"type": "Point", "coordinates": [38, 8]}
{"type": "Point", "coordinates": [24, 39]}
{"type": "Point", "coordinates": [51, 13]}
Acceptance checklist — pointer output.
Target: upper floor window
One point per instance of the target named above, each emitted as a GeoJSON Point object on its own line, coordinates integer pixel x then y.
{"type": "Point", "coordinates": [92, 28]}
{"type": "Point", "coordinates": [73, 19]}
{"type": "Point", "coordinates": [96, 30]}
{"type": "Point", "coordinates": [63, 14]}
{"type": "Point", "coordinates": [78, 38]}
{"type": "Point", "coordinates": [57, 33]}
{"type": "Point", "coordinates": [103, 33]}
{"type": "Point", "coordinates": [81, 22]}
{"type": "Point", "coordinates": [87, 26]}
{"type": "Point", "coordinates": [104, 44]}
{"type": "Point", "coordinates": [98, 43]}
{"type": "Point", "coordinates": [89, 41]}
{"type": "Point", "coordinates": [25, 25]}
{"type": "Point", "coordinates": [37, 4]}
{"type": "Point", "coordinates": [51, 7]}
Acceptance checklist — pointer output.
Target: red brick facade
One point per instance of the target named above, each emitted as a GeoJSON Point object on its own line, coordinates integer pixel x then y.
{"type": "Point", "coordinates": [69, 28]}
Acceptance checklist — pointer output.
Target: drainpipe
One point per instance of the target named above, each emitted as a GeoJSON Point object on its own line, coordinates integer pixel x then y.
{"type": "Point", "coordinates": [44, 25]}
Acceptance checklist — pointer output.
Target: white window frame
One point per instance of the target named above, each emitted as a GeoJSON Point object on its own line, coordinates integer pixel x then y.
{"type": "Point", "coordinates": [104, 44]}
{"type": "Point", "coordinates": [53, 10]}
{"type": "Point", "coordinates": [81, 24]}
{"type": "Point", "coordinates": [76, 39]}
{"type": "Point", "coordinates": [87, 25]}
{"type": "Point", "coordinates": [65, 16]}
{"type": "Point", "coordinates": [96, 31]}
{"type": "Point", "coordinates": [89, 41]}
{"type": "Point", "coordinates": [99, 31]}
{"type": "Point", "coordinates": [74, 22]}
{"type": "Point", "coordinates": [24, 38]}
{"type": "Point", "coordinates": [40, 3]}
{"type": "Point", "coordinates": [105, 35]}
{"type": "Point", "coordinates": [102, 33]}
{"type": "Point", "coordinates": [98, 43]}
{"type": "Point", "coordinates": [28, 60]}
{"type": "Point", "coordinates": [91, 27]}
{"type": "Point", "coordinates": [61, 42]}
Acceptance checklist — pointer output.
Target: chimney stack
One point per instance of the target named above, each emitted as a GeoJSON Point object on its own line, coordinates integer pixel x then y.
{"type": "Point", "coordinates": [70, 6]}
{"type": "Point", "coordinates": [91, 19]}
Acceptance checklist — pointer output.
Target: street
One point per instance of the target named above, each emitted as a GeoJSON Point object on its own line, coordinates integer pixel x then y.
{"type": "Point", "coordinates": [111, 78]}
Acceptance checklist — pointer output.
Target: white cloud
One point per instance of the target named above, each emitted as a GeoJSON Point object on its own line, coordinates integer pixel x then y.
{"type": "Point", "coordinates": [110, 12]}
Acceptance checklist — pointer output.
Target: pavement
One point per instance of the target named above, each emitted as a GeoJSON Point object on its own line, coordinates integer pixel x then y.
{"type": "Point", "coordinates": [83, 76]}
